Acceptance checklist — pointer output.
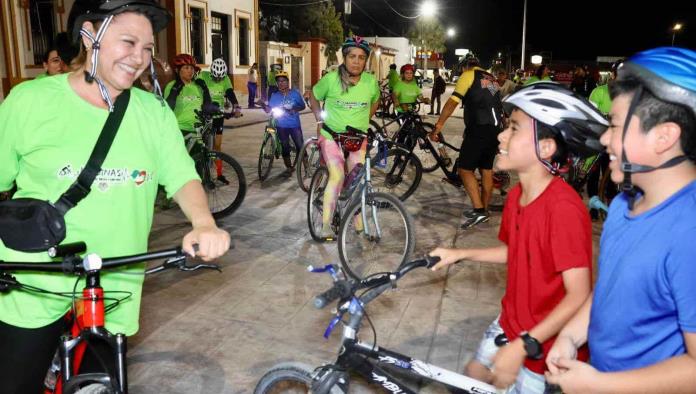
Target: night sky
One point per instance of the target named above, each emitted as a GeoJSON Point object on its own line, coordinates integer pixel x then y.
{"type": "Point", "coordinates": [569, 30]}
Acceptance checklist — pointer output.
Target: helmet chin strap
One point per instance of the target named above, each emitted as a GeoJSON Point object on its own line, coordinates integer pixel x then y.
{"type": "Point", "coordinates": [91, 76]}
{"type": "Point", "coordinates": [629, 168]}
{"type": "Point", "coordinates": [155, 82]}
{"type": "Point", "coordinates": [553, 168]}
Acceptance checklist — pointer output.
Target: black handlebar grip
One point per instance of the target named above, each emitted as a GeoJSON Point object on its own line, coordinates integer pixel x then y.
{"type": "Point", "coordinates": [432, 260]}
{"type": "Point", "coordinates": [69, 249]}
{"type": "Point", "coordinates": [338, 290]}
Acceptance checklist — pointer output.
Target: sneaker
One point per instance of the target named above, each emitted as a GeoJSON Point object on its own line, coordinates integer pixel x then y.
{"type": "Point", "coordinates": [327, 236]}
{"type": "Point", "coordinates": [468, 213]}
{"type": "Point", "coordinates": [223, 180]}
{"type": "Point", "coordinates": [474, 219]}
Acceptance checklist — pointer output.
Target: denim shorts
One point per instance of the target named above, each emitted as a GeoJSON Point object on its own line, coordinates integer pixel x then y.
{"type": "Point", "coordinates": [527, 382]}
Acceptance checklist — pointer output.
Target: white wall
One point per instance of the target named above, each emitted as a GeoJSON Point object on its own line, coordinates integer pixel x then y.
{"type": "Point", "coordinates": [400, 44]}
{"type": "Point", "coordinates": [244, 8]}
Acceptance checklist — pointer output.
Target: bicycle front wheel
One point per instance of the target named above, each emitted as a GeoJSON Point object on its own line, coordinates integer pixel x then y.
{"type": "Point", "coordinates": [266, 156]}
{"type": "Point", "coordinates": [315, 202]}
{"type": "Point", "coordinates": [290, 377]}
{"type": "Point", "coordinates": [380, 240]}
{"type": "Point", "coordinates": [308, 160]}
{"type": "Point", "coordinates": [399, 173]}
{"type": "Point", "coordinates": [224, 183]}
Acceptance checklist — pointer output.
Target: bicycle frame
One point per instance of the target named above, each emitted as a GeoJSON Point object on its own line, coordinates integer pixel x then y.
{"type": "Point", "coordinates": [89, 324]}
{"type": "Point", "coordinates": [370, 360]}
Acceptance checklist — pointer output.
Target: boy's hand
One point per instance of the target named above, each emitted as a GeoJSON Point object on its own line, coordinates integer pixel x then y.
{"type": "Point", "coordinates": [563, 348]}
{"type": "Point", "coordinates": [447, 257]}
{"type": "Point", "coordinates": [578, 377]}
{"type": "Point", "coordinates": [507, 363]}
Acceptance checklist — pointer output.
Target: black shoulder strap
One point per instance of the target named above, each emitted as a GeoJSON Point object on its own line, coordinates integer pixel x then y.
{"type": "Point", "coordinates": [82, 185]}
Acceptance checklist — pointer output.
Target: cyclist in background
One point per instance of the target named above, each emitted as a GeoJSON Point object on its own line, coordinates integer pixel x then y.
{"type": "Point", "coordinates": [640, 323]}
{"type": "Point", "coordinates": [288, 125]}
{"type": "Point", "coordinates": [545, 234]}
{"type": "Point", "coordinates": [392, 77]}
{"type": "Point", "coordinates": [542, 73]}
{"type": "Point", "coordinates": [406, 92]}
{"type": "Point", "coordinates": [222, 94]}
{"type": "Point", "coordinates": [186, 94]}
{"type": "Point", "coordinates": [479, 92]}
{"type": "Point", "coordinates": [52, 63]}
{"type": "Point", "coordinates": [351, 97]}
{"type": "Point", "coordinates": [601, 98]}
{"type": "Point", "coordinates": [48, 128]}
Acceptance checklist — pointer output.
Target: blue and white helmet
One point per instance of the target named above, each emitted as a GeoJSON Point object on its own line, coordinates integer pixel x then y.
{"type": "Point", "coordinates": [579, 122]}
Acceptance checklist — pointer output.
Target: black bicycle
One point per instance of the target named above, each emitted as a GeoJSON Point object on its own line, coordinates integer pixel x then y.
{"type": "Point", "coordinates": [88, 312]}
{"type": "Point", "coordinates": [377, 365]}
{"type": "Point", "coordinates": [222, 176]}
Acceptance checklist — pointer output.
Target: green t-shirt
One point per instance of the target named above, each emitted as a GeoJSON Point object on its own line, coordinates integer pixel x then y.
{"type": "Point", "coordinates": [406, 92]}
{"type": "Point", "coordinates": [47, 133]}
{"type": "Point", "coordinates": [190, 98]}
{"type": "Point", "coordinates": [217, 88]}
{"type": "Point", "coordinates": [534, 78]}
{"type": "Point", "coordinates": [351, 108]}
{"type": "Point", "coordinates": [600, 96]}
{"type": "Point", "coordinates": [42, 75]}
{"type": "Point", "coordinates": [393, 78]}
{"type": "Point", "coordinates": [270, 78]}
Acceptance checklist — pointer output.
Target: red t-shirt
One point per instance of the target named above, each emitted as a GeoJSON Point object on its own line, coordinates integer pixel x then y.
{"type": "Point", "coordinates": [544, 238]}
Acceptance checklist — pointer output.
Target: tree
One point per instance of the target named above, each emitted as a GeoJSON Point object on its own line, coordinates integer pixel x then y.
{"type": "Point", "coordinates": [324, 22]}
{"type": "Point", "coordinates": [427, 34]}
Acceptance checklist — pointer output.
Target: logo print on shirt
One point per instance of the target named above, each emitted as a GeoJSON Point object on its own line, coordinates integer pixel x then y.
{"type": "Point", "coordinates": [139, 177]}
{"type": "Point", "coordinates": [351, 104]}
{"type": "Point", "coordinates": [487, 82]}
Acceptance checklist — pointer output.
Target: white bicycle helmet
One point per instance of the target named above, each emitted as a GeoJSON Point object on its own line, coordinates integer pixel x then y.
{"type": "Point", "coordinates": [218, 69]}
{"type": "Point", "coordinates": [578, 121]}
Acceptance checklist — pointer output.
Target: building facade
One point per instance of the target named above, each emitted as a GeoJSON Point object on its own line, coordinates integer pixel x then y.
{"type": "Point", "coordinates": [206, 29]}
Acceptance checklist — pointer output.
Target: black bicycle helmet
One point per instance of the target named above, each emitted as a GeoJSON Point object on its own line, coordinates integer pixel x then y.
{"type": "Point", "coordinates": [91, 10]}
{"type": "Point", "coordinates": [576, 119]}
{"type": "Point", "coordinates": [105, 10]}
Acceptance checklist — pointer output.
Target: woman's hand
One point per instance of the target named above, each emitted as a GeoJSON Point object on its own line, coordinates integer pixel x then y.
{"type": "Point", "coordinates": [212, 242]}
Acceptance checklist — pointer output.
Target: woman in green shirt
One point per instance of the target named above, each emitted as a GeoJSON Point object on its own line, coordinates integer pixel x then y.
{"type": "Point", "coordinates": [48, 128]}
{"type": "Point", "coordinates": [351, 97]}
{"type": "Point", "coordinates": [406, 91]}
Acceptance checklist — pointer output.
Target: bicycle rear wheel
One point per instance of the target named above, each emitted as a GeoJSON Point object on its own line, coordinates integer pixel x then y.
{"type": "Point", "coordinates": [315, 202]}
{"type": "Point", "coordinates": [399, 174]}
{"type": "Point", "coordinates": [266, 156]}
{"type": "Point", "coordinates": [391, 240]}
{"type": "Point", "coordinates": [225, 190]}
{"type": "Point", "coordinates": [308, 160]}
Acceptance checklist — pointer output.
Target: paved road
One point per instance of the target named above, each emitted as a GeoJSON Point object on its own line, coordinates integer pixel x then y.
{"type": "Point", "coordinates": [218, 332]}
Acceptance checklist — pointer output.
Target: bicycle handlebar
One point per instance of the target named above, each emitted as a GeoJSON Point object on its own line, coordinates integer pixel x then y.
{"type": "Point", "coordinates": [343, 289]}
{"type": "Point", "coordinates": [71, 264]}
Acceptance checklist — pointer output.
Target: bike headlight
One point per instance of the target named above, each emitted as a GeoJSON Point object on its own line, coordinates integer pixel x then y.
{"type": "Point", "coordinates": [277, 112]}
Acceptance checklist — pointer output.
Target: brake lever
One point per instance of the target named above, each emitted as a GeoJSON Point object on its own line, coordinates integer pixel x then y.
{"type": "Point", "coordinates": [189, 268]}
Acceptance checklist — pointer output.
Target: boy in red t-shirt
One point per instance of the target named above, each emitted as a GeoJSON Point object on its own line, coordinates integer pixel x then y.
{"type": "Point", "coordinates": [545, 233]}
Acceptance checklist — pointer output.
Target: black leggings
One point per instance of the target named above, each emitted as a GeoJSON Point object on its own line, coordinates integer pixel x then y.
{"type": "Point", "coordinates": [26, 355]}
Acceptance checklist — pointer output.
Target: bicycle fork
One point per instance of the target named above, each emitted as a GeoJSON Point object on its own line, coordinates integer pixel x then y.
{"type": "Point", "coordinates": [373, 206]}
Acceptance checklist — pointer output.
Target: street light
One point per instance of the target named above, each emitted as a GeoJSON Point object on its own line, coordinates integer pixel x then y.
{"type": "Point", "coordinates": [677, 27]}
{"type": "Point", "coordinates": [450, 32]}
{"type": "Point", "coordinates": [536, 59]}
{"type": "Point", "coordinates": [428, 9]}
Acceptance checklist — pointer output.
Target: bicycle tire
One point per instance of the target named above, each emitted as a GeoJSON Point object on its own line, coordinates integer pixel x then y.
{"type": "Point", "coordinates": [95, 388]}
{"type": "Point", "coordinates": [266, 156]}
{"type": "Point", "coordinates": [305, 168]}
{"type": "Point", "coordinates": [386, 179]}
{"type": "Point", "coordinates": [281, 378]}
{"type": "Point", "coordinates": [223, 198]}
{"type": "Point", "coordinates": [315, 202]}
{"type": "Point", "coordinates": [393, 220]}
